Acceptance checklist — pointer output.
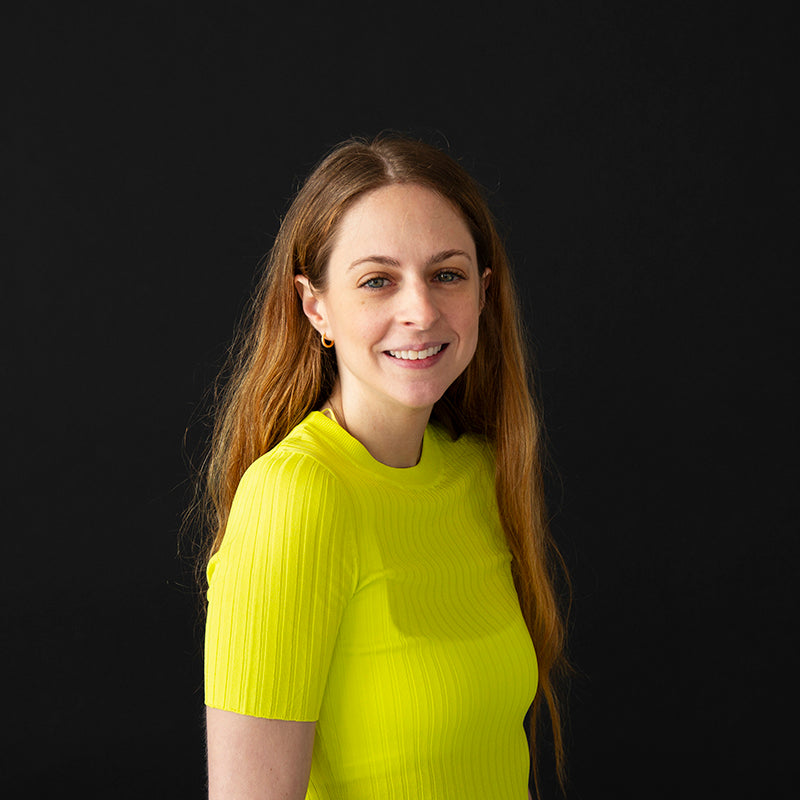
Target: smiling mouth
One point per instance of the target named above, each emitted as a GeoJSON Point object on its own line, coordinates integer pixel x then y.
{"type": "Point", "coordinates": [416, 355]}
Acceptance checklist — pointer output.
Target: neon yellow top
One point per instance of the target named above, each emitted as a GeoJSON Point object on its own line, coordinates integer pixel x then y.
{"type": "Point", "coordinates": [379, 602]}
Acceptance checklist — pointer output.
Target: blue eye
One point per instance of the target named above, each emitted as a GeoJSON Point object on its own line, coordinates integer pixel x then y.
{"type": "Point", "coordinates": [375, 283]}
{"type": "Point", "coordinates": [448, 276]}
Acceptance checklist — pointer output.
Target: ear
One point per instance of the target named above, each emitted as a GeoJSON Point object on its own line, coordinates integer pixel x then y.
{"type": "Point", "coordinates": [313, 305]}
{"type": "Point", "coordinates": [484, 283]}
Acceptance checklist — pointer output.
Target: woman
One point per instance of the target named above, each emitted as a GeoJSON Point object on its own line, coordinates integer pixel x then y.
{"type": "Point", "coordinates": [381, 605]}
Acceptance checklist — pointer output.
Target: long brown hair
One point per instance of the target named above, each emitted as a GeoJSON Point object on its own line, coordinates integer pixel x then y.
{"type": "Point", "coordinates": [278, 373]}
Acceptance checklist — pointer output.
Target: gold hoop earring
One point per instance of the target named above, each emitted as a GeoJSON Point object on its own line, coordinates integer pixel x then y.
{"type": "Point", "coordinates": [327, 343]}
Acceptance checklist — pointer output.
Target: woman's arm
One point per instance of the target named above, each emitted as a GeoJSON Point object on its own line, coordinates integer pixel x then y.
{"type": "Point", "coordinates": [249, 757]}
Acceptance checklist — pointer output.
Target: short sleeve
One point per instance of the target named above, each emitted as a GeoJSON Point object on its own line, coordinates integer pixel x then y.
{"type": "Point", "coordinates": [278, 587]}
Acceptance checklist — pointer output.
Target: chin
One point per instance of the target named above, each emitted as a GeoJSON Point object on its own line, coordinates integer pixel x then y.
{"type": "Point", "coordinates": [420, 401]}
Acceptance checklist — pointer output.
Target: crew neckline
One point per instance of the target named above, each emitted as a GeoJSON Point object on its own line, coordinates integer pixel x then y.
{"type": "Point", "coordinates": [423, 472]}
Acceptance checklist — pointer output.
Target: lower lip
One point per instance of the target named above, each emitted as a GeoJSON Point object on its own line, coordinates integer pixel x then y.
{"type": "Point", "coordinates": [425, 363]}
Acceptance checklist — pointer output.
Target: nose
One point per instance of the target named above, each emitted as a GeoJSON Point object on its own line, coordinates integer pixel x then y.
{"type": "Point", "coordinates": [417, 305]}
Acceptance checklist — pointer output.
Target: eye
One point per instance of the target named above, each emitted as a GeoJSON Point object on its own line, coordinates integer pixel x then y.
{"type": "Point", "coordinates": [374, 283]}
{"type": "Point", "coordinates": [448, 276]}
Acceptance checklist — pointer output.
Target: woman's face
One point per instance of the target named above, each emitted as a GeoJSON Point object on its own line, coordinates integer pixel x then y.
{"type": "Point", "coordinates": [402, 301]}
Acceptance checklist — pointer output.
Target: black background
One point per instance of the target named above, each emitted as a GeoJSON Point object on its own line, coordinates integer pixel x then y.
{"type": "Point", "coordinates": [151, 151]}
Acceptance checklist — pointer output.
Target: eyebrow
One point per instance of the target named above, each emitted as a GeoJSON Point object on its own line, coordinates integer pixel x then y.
{"type": "Point", "coordinates": [387, 261]}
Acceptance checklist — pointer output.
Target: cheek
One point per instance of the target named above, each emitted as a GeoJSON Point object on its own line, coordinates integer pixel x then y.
{"type": "Point", "coordinates": [359, 324]}
{"type": "Point", "coordinates": [466, 320]}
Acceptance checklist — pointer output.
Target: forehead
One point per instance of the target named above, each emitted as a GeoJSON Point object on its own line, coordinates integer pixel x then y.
{"type": "Point", "coordinates": [401, 219]}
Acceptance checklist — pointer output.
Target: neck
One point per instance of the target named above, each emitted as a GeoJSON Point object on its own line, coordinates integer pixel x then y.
{"type": "Point", "coordinates": [393, 439]}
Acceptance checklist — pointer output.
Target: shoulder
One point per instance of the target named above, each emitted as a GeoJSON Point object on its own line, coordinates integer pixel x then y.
{"type": "Point", "coordinates": [289, 491]}
{"type": "Point", "coordinates": [285, 494]}
{"type": "Point", "coordinates": [288, 508]}
{"type": "Point", "coordinates": [466, 464]}
{"type": "Point", "coordinates": [467, 450]}
{"type": "Point", "coordinates": [299, 462]}
{"type": "Point", "coordinates": [282, 471]}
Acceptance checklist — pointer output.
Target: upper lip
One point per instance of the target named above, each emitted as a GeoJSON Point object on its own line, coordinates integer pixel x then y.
{"type": "Point", "coordinates": [417, 347]}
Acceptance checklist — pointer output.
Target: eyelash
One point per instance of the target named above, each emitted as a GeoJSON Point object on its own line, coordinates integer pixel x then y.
{"type": "Point", "coordinates": [456, 276]}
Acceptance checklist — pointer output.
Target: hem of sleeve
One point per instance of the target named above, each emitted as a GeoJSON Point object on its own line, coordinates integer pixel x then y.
{"type": "Point", "coordinates": [284, 717]}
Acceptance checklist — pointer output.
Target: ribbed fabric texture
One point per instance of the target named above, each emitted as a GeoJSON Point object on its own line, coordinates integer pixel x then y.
{"type": "Point", "coordinates": [380, 603]}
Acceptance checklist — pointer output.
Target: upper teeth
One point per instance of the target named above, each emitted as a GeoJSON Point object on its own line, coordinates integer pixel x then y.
{"type": "Point", "coordinates": [416, 355]}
